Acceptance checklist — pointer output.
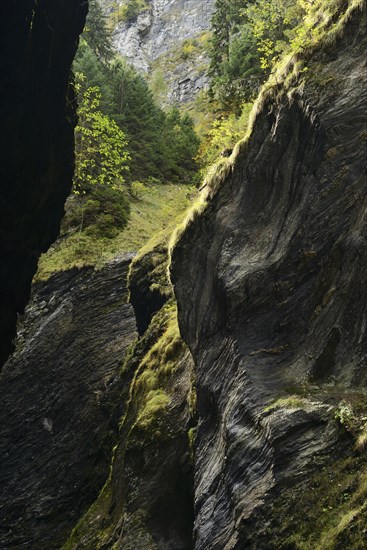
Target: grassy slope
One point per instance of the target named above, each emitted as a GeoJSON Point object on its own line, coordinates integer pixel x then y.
{"type": "Point", "coordinates": [159, 207]}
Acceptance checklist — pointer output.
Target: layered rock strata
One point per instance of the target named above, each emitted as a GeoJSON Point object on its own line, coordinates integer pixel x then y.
{"type": "Point", "coordinates": [271, 286]}
{"type": "Point", "coordinates": [61, 400]}
{"type": "Point", "coordinates": [147, 502]}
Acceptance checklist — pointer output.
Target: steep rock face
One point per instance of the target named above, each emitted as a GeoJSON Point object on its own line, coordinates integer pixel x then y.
{"type": "Point", "coordinates": [147, 503]}
{"type": "Point", "coordinates": [158, 34]}
{"type": "Point", "coordinates": [271, 287]}
{"type": "Point", "coordinates": [38, 41]}
{"type": "Point", "coordinates": [61, 401]}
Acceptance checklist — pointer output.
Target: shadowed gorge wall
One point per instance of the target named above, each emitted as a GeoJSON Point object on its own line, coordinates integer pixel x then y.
{"type": "Point", "coordinates": [251, 433]}
{"type": "Point", "coordinates": [61, 400]}
{"type": "Point", "coordinates": [38, 41]}
{"type": "Point", "coordinates": [271, 286]}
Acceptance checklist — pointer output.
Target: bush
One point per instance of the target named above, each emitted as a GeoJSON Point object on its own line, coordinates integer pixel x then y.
{"type": "Point", "coordinates": [110, 212]}
{"type": "Point", "coordinates": [101, 213]}
{"type": "Point", "coordinates": [137, 189]}
{"type": "Point", "coordinates": [131, 9]}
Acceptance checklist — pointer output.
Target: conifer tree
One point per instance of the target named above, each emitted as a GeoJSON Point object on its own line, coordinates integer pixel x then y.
{"type": "Point", "coordinates": [97, 32]}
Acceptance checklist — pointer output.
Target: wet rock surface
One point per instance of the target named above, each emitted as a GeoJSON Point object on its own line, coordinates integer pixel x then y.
{"type": "Point", "coordinates": [271, 287]}
{"type": "Point", "coordinates": [61, 400]}
{"type": "Point", "coordinates": [38, 43]}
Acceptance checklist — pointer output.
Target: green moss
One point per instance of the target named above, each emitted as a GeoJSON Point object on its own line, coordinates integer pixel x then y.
{"type": "Point", "coordinates": [327, 512]}
{"type": "Point", "coordinates": [156, 402]}
{"type": "Point", "coordinates": [291, 402]}
{"type": "Point", "coordinates": [154, 358]}
{"type": "Point", "coordinates": [94, 524]}
{"type": "Point", "coordinates": [128, 10]}
{"type": "Point", "coordinates": [191, 435]}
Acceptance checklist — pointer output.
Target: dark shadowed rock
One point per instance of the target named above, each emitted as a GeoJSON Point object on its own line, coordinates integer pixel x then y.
{"type": "Point", "coordinates": [61, 400]}
{"type": "Point", "coordinates": [147, 503]}
{"type": "Point", "coordinates": [38, 41]}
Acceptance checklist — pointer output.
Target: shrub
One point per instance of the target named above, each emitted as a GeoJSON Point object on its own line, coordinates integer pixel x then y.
{"type": "Point", "coordinates": [137, 189]}
{"type": "Point", "coordinates": [131, 9]}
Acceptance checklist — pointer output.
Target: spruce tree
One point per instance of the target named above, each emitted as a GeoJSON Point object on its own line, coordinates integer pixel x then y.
{"type": "Point", "coordinates": [97, 32]}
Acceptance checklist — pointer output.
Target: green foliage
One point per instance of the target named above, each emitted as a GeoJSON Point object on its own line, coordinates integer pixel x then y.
{"type": "Point", "coordinates": [188, 48]}
{"type": "Point", "coordinates": [137, 189]}
{"type": "Point", "coordinates": [130, 9]}
{"type": "Point", "coordinates": [181, 146]}
{"type": "Point", "coordinates": [158, 207]}
{"type": "Point", "coordinates": [158, 85]}
{"type": "Point", "coordinates": [222, 135]}
{"type": "Point", "coordinates": [248, 40]}
{"type": "Point", "coordinates": [101, 154]}
{"type": "Point", "coordinates": [103, 212]}
{"type": "Point", "coordinates": [353, 421]}
{"type": "Point", "coordinates": [271, 24]}
{"type": "Point", "coordinates": [233, 57]}
{"type": "Point", "coordinates": [131, 103]}
{"type": "Point", "coordinates": [94, 74]}
{"type": "Point", "coordinates": [162, 145]}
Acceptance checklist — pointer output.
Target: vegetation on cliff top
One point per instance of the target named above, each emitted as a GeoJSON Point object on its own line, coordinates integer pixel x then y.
{"type": "Point", "coordinates": [129, 155]}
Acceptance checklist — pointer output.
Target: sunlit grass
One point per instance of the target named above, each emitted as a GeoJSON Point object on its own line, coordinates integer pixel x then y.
{"type": "Point", "coordinates": [158, 208]}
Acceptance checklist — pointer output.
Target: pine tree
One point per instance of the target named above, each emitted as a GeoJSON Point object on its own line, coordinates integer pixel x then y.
{"type": "Point", "coordinates": [97, 32]}
{"type": "Point", "coordinates": [234, 58]}
{"type": "Point", "coordinates": [95, 74]}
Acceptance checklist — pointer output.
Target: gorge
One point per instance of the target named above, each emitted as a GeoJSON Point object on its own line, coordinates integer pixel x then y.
{"type": "Point", "coordinates": [222, 366]}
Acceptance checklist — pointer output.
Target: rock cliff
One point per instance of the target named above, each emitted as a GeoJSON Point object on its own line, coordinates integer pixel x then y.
{"type": "Point", "coordinates": [251, 435]}
{"type": "Point", "coordinates": [155, 40]}
{"type": "Point", "coordinates": [147, 502]}
{"type": "Point", "coordinates": [61, 401]}
{"type": "Point", "coordinates": [271, 286]}
{"type": "Point", "coordinates": [38, 41]}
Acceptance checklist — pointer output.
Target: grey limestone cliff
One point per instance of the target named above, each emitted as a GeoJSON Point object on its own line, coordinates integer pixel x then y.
{"type": "Point", "coordinates": [154, 39]}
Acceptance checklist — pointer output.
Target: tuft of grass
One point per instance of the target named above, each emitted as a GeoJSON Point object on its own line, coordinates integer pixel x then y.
{"type": "Point", "coordinates": [291, 402]}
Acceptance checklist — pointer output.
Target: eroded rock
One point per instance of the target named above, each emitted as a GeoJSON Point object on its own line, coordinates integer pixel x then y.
{"type": "Point", "coordinates": [61, 401]}
{"type": "Point", "coordinates": [271, 287]}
